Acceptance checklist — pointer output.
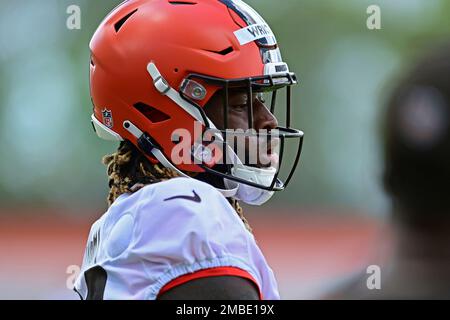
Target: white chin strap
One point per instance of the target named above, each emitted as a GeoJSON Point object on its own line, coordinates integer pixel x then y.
{"type": "Point", "coordinates": [248, 194]}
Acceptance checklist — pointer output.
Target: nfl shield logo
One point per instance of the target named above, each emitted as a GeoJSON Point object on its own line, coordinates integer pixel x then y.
{"type": "Point", "coordinates": [107, 118]}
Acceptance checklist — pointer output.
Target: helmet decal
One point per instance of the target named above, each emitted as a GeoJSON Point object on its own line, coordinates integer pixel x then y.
{"type": "Point", "coordinates": [257, 30]}
{"type": "Point", "coordinates": [107, 118]}
{"type": "Point", "coordinates": [252, 33]}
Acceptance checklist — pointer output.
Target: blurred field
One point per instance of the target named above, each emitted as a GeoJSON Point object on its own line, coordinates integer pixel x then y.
{"type": "Point", "coordinates": [311, 252]}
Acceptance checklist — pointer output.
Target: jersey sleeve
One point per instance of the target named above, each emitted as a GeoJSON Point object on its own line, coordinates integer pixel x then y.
{"type": "Point", "coordinates": [186, 227]}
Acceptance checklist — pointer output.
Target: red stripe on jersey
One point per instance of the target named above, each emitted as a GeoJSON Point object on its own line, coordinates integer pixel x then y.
{"type": "Point", "coordinates": [210, 272]}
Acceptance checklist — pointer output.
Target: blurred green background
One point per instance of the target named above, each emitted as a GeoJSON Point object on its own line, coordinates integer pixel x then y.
{"type": "Point", "coordinates": [50, 166]}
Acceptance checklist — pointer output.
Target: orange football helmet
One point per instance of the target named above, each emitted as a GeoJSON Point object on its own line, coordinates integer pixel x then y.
{"type": "Point", "coordinates": [154, 66]}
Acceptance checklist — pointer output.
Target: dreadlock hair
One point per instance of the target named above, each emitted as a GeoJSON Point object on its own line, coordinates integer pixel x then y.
{"type": "Point", "coordinates": [129, 170]}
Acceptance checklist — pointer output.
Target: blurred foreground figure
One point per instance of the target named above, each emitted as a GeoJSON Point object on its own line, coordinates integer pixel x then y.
{"type": "Point", "coordinates": [417, 178]}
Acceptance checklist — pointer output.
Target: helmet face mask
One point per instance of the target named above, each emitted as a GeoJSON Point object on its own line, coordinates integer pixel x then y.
{"type": "Point", "coordinates": [231, 158]}
{"type": "Point", "coordinates": [169, 84]}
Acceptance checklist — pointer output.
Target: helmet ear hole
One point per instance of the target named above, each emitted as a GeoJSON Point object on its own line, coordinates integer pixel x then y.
{"type": "Point", "coordinates": [152, 114]}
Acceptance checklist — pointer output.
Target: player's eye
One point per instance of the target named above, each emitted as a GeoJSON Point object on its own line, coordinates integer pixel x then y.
{"type": "Point", "coordinates": [261, 97]}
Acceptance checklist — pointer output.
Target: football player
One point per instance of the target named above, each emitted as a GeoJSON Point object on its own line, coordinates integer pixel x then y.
{"type": "Point", "coordinates": [183, 86]}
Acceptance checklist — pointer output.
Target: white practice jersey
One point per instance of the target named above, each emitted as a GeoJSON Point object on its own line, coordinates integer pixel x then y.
{"type": "Point", "coordinates": [164, 231]}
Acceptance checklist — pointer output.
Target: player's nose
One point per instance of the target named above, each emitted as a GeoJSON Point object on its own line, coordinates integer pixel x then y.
{"type": "Point", "coordinates": [264, 119]}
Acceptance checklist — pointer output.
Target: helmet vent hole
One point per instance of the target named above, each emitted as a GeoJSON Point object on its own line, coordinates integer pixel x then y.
{"type": "Point", "coordinates": [175, 3]}
{"type": "Point", "coordinates": [224, 52]}
{"type": "Point", "coordinates": [120, 23]}
{"type": "Point", "coordinates": [152, 114]}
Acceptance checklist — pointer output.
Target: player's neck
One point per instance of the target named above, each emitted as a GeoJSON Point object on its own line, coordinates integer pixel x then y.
{"type": "Point", "coordinates": [210, 179]}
